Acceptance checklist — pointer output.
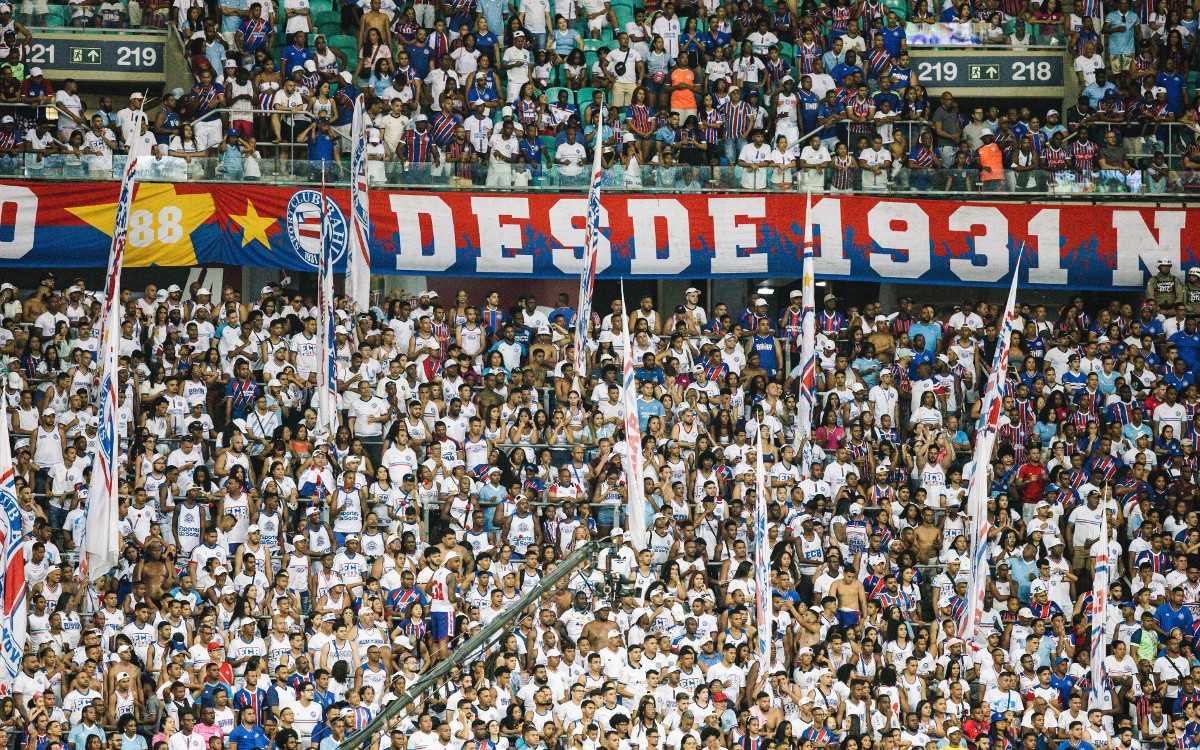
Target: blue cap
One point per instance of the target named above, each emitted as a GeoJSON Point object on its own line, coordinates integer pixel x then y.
{"type": "Point", "coordinates": [231, 133]}
{"type": "Point", "coordinates": [997, 716]}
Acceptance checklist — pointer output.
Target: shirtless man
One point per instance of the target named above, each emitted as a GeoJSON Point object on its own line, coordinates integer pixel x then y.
{"type": "Point", "coordinates": [598, 629]}
{"type": "Point", "coordinates": [153, 570]}
{"type": "Point", "coordinates": [378, 20]}
{"type": "Point", "coordinates": [768, 716]}
{"type": "Point", "coordinates": [928, 537]}
{"type": "Point", "coordinates": [850, 595]}
{"type": "Point", "coordinates": [542, 343]}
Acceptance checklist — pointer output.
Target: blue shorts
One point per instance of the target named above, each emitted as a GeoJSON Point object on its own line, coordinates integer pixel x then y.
{"type": "Point", "coordinates": [443, 626]}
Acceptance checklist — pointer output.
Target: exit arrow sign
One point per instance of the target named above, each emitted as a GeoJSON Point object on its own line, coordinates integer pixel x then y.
{"type": "Point", "coordinates": [985, 72]}
{"type": "Point", "coordinates": [86, 55]}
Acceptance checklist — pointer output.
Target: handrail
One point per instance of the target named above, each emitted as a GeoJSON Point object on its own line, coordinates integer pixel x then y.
{"type": "Point", "coordinates": [468, 649]}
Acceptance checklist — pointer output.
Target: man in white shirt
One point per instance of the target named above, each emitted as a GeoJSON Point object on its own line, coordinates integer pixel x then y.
{"type": "Point", "coordinates": [519, 64]}
{"type": "Point", "coordinates": [754, 160]}
{"type": "Point", "coordinates": [667, 26]}
{"type": "Point", "coordinates": [367, 414]}
{"type": "Point", "coordinates": [70, 108]}
{"type": "Point", "coordinates": [1087, 63]}
{"type": "Point", "coordinates": [297, 14]}
{"type": "Point", "coordinates": [503, 155]}
{"type": "Point", "coordinates": [598, 14]}
{"type": "Point", "coordinates": [535, 17]}
{"type": "Point", "coordinates": [876, 162]}
{"type": "Point", "coordinates": [571, 155]}
{"type": "Point", "coordinates": [627, 68]}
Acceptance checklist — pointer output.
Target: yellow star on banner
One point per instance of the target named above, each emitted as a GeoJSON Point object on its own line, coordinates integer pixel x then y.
{"type": "Point", "coordinates": [161, 223]}
{"type": "Point", "coordinates": [254, 227]}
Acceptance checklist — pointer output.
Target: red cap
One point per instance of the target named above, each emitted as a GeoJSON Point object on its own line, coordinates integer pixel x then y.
{"type": "Point", "coordinates": [721, 697]}
{"type": "Point", "coordinates": [214, 646]}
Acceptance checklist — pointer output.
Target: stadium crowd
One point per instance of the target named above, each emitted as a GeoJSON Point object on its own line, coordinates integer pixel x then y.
{"type": "Point", "coordinates": [756, 95]}
{"type": "Point", "coordinates": [279, 585]}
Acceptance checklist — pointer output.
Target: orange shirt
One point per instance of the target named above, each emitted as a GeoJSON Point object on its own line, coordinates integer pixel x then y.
{"type": "Point", "coordinates": [992, 157]}
{"type": "Point", "coordinates": [683, 98]}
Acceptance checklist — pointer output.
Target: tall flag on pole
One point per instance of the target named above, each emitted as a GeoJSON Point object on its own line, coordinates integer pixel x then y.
{"type": "Point", "coordinates": [808, 336]}
{"type": "Point", "coordinates": [358, 263]}
{"type": "Point", "coordinates": [101, 540]}
{"type": "Point", "coordinates": [327, 352]}
{"type": "Point", "coordinates": [116, 254]}
{"type": "Point", "coordinates": [977, 492]}
{"type": "Point", "coordinates": [12, 575]}
{"type": "Point", "coordinates": [587, 277]}
{"type": "Point", "coordinates": [1100, 697]}
{"type": "Point", "coordinates": [635, 501]}
{"type": "Point", "coordinates": [762, 558]}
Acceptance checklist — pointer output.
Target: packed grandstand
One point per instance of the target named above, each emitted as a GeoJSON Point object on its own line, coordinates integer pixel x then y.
{"type": "Point", "coordinates": [743, 96]}
{"type": "Point", "coordinates": [456, 564]}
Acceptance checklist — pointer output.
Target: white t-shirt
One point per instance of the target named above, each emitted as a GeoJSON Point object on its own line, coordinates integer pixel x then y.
{"type": "Point", "coordinates": [1088, 67]}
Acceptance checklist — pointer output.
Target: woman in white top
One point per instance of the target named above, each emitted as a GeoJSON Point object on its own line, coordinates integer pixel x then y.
{"type": "Point", "coordinates": [187, 147]}
{"type": "Point", "coordinates": [783, 174]}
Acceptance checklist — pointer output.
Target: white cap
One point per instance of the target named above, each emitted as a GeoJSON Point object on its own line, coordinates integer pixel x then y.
{"type": "Point", "coordinates": [856, 509]}
{"type": "Point", "coordinates": [346, 76]}
{"type": "Point", "coordinates": [691, 290]}
{"type": "Point", "coordinates": [267, 290]}
{"type": "Point", "coordinates": [35, 71]}
{"type": "Point", "coordinates": [506, 112]}
{"type": "Point", "coordinates": [310, 65]}
{"type": "Point", "coordinates": [1037, 587]}
{"type": "Point", "coordinates": [253, 529]}
{"type": "Point", "coordinates": [986, 131]}
{"type": "Point", "coordinates": [1165, 261]}
{"type": "Point", "coordinates": [204, 292]}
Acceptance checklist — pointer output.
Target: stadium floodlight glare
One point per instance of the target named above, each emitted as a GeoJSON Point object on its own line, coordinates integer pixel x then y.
{"type": "Point", "coordinates": [765, 290]}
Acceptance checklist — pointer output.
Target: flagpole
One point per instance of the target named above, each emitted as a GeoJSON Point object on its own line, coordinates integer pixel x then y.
{"type": "Point", "coordinates": [326, 405]}
{"type": "Point", "coordinates": [13, 625]}
{"type": "Point", "coordinates": [977, 491]}
{"type": "Point", "coordinates": [591, 243]}
{"type": "Point", "coordinates": [806, 402]}
{"type": "Point", "coordinates": [101, 539]}
{"type": "Point", "coordinates": [1100, 697]}
{"type": "Point", "coordinates": [358, 263]}
{"type": "Point", "coordinates": [762, 558]}
{"type": "Point", "coordinates": [635, 502]}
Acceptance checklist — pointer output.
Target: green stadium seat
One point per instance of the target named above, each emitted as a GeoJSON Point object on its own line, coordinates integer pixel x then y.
{"type": "Point", "coordinates": [590, 57]}
{"type": "Point", "coordinates": [900, 7]}
{"type": "Point", "coordinates": [320, 18]}
{"type": "Point", "coordinates": [58, 16]}
{"type": "Point", "coordinates": [585, 97]}
{"type": "Point", "coordinates": [330, 29]}
{"type": "Point", "coordinates": [345, 43]}
{"type": "Point", "coordinates": [590, 45]}
{"type": "Point", "coordinates": [787, 51]}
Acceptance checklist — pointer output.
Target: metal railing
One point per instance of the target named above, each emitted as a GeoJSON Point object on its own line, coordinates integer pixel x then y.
{"type": "Point", "coordinates": [428, 687]}
{"type": "Point", "coordinates": [1138, 180]}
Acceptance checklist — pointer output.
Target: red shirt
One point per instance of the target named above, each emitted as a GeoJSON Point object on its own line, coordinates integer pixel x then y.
{"type": "Point", "coordinates": [1036, 476]}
